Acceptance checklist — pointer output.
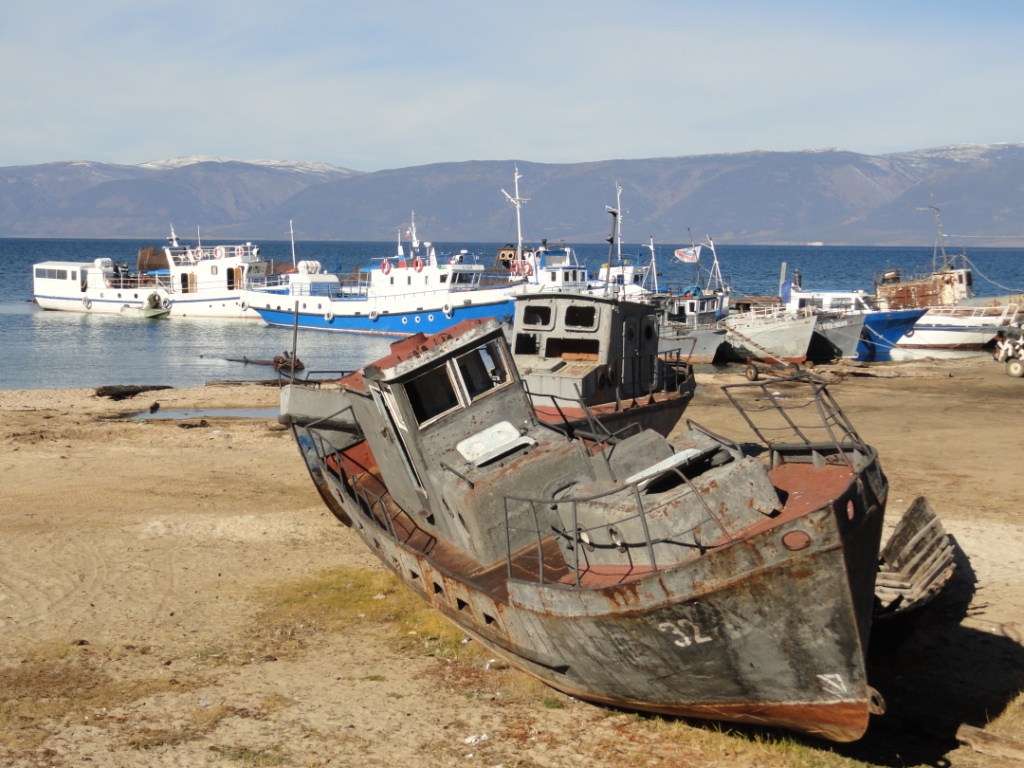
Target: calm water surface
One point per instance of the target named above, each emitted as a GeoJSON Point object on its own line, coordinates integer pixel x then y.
{"type": "Point", "coordinates": [56, 350]}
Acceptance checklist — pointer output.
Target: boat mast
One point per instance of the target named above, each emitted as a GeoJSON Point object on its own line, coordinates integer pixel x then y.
{"type": "Point", "coordinates": [653, 269]}
{"type": "Point", "coordinates": [940, 243]}
{"type": "Point", "coordinates": [618, 207]}
{"type": "Point", "coordinates": [611, 248]}
{"type": "Point", "coordinates": [715, 282]}
{"type": "Point", "coordinates": [517, 201]}
{"type": "Point", "coordinates": [291, 232]}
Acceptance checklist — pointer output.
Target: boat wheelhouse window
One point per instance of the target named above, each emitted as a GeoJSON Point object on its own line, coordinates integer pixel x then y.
{"type": "Point", "coordinates": [483, 369]}
{"type": "Point", "coordinates": [580, 316]}
{"type": "Point", "coordinates": [527, 344]}
{"type": "Point", "coordinates": [444, 279]}
{"type": "Point", "coordinates": [458, 382]}
{"type": "Point", "coordinates": [213, 269]}
{"type": "Point", "coordinates": [814, 303]}
{"type": "Point", "coordinates": [536, 315]}
{"type": "Point", "coordinates": [432, 394]}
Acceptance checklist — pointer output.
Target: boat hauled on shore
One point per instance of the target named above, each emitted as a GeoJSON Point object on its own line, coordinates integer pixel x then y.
{"type": "Point", "coordinates": [593, 363]}
{"type": "Point", "coordinates": [954, 323]}
{"type": "Point", "coordinates": [683, 576]}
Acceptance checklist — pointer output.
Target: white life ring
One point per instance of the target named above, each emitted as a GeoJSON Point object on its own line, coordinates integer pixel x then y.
{"type": "Point", "coordinates": [242, 305]}
{"type": "Point", "coordinates": [527, 268]}
{"type": "Point", "coordinates": [373, 315]}
{"type": "Point", "coordinates": [385, 267]}
{"type": "Point", "coordinates": [329, 316]}
{"type": "Point", "coordinates": [239, 251]}
{"type": "Point", "coordinates": [448, 311]}
{"type": "Point", "coordinates": [218, 252]}
{"type": "Point", "coordinates": [86, 303]}
{"type": "Point", "coordinates": [417, 264]}
{"type": "Point", "coordinates": [166, 303]}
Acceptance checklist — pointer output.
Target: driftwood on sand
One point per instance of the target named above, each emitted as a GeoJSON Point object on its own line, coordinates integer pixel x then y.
{"type": "Point", "coordinates": [123, 391]}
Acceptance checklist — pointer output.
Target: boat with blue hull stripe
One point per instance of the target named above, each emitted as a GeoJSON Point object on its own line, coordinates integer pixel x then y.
{"type": "Point", "coordinates": [387, 324]}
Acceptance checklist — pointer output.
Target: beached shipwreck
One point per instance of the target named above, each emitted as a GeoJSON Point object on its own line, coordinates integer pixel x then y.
{"type": "Point", "coordinates": [689, 576]}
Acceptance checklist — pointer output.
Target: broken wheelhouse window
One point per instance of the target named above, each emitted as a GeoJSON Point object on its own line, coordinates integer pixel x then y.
{"type": "Point", "coordinates": [458, 382]}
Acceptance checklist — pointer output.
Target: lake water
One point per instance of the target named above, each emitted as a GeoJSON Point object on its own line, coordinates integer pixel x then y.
{"type": "Point", "coordinates": [58, 350]}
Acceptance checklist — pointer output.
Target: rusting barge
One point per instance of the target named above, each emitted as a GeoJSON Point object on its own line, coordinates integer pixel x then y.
{"type": "Point", "coordinates": [678, 576]}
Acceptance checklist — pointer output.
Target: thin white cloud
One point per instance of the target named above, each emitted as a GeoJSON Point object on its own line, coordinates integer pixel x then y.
{"type": "Point", "coordinates": [389, 85]}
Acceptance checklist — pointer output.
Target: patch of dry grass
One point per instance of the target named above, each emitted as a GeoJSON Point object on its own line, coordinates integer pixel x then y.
{"type": "Point", "coordinates": [1010, 722]}
{"type": "Point", "coordinates": [344, 597]}
{"type": "Point", "coordinates": [54, 685]}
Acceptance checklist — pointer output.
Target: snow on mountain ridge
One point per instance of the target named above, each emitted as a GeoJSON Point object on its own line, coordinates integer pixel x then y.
{"type": "Point", "coordinates": [294, 165]}
{"type": "Point", "coordinates": [958, 153]}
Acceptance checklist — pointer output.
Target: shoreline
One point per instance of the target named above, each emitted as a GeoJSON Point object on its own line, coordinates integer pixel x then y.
{"type": "Point", "coordinates": [146, 551]}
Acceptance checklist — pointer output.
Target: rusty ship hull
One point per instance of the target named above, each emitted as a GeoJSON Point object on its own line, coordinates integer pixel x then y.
{"type": "Point", "coordinates": [686, 578]}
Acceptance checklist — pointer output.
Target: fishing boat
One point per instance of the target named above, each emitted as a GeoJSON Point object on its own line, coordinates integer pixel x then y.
{"type": "Point", "coordinates": [848, 322]}
{"type": "Point", "coordinates": [953, 324]}
{"type": "Point", "coordinates": [955, 331]}
{"type": "Point", "coordinates": [186, 280]}
{"type": "Point", "coordinates": [768, 334]}
{"type": "Point", "coordinates": [593, 363]}
{"type": "Point", "coordinates": [691, 316]}
{"type": "Point", "coordinates": [687, 577]}
{"type": "Point", "coordinates": [417, 290]}
{"type": "Point", "coordinates": [949, 281]}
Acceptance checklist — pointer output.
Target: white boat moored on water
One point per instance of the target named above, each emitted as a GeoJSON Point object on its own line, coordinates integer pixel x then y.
{"type": "Point", "coordinates": [188, 281]}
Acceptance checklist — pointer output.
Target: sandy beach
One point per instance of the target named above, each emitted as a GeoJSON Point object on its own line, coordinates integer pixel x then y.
{"type": "Point", "coordinates": [150, 571]}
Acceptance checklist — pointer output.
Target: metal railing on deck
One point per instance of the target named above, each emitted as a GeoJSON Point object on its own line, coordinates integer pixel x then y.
{"type": "Point", "coordinates": [580, 540]}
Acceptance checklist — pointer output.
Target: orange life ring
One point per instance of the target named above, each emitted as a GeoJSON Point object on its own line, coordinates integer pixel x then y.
{"type": "Point", "coordinates": [218, 252]}
{"type": "Point", "coordinates": [417, 264]}
{"type": "Point", "coordinates": [385, 267]}
{"type": "Point", "coordinates": [513, 267]}
{"type": "Point", "coordinates": [527, 268]}
{"type": "Point", "coordinates": [239, 251]}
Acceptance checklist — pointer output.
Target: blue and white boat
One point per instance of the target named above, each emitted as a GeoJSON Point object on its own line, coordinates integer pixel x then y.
{"type": "Point", "coordinates": [419, 291]}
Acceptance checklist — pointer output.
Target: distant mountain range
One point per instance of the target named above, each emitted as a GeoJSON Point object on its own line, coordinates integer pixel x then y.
{"type": "Point", "coordinates": [822, 196]}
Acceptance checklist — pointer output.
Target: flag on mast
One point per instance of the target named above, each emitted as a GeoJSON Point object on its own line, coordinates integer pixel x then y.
{"type": "Point", "coordinates": [689, 255]}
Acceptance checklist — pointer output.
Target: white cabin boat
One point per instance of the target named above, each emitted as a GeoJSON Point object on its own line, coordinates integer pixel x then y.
{"type": "Point", "coordinates": [190, 281]}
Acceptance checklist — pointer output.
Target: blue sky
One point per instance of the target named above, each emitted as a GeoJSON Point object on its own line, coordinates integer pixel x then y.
{"type": "Point", "coordinates": [374, 85]}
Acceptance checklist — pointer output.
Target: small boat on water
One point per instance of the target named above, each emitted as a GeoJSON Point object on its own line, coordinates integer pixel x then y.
{"type": "Point", "coordinates": [148, 310]}
{"type": "Point", "coordinates": [685, 576]}
{"type": "Point", "coordinates": [594, 363]}
{"type": "Point", "coordinates": [188, 281]}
